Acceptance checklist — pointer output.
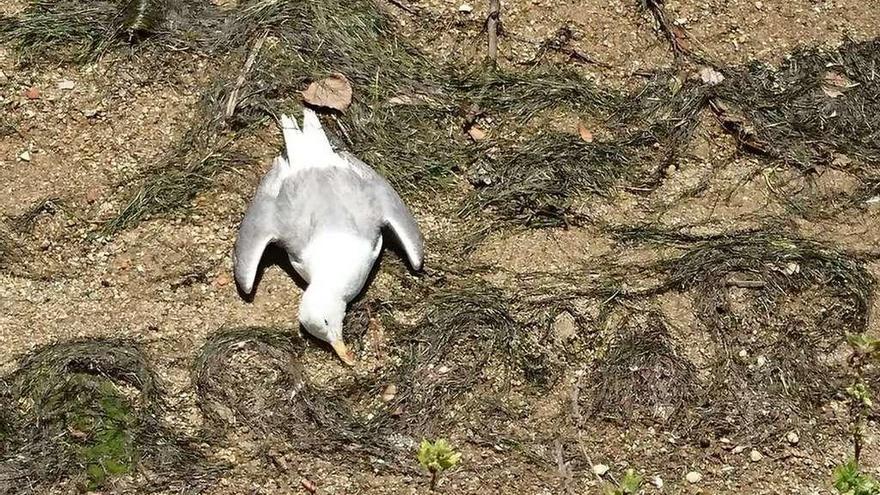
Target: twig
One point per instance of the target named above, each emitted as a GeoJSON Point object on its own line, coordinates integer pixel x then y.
{"type": "Point", "coordinates": [232, 102]}
{"type": "Point", "coordinates": [747, 284]}
{"type": "Point", "coordinates": [492, 26]}
{"type": "Point", "coordinates": [402, 6]}
{"type": "Point", "coordinates": [671, 33]}
{"type": "Point", "coordinates": [559, 43]}
{"type": "Point", "coordinates": [433, 480]}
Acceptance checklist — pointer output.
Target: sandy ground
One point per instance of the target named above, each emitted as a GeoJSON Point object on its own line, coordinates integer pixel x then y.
{"type": "Point", "coordinates": [168, 281]}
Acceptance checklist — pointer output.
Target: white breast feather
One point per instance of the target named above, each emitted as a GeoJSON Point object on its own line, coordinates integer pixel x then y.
{"type": "Point", "coordinates": [338, 257]}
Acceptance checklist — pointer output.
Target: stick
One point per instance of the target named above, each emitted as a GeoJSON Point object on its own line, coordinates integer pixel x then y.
{"type": "Point", "coordinates": [402, 6]}
{"type": "Point", "coordinates": [747, 284]}
{"type": "Point", "coordinates": [492, 27]}
{"type": "Point", "coordinates": [232, 102]}
{"type": "Point", "coordinates": [669, 32]}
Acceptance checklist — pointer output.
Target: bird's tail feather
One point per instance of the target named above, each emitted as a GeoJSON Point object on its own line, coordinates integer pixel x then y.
{"type": "Point", "coordinates": [306, 143]}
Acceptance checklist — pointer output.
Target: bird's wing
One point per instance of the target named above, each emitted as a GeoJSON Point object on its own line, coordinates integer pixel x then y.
{"type": "Point", "coordinates": [395, 213]}
{"type": "Point", "coordinates": [259, 226]}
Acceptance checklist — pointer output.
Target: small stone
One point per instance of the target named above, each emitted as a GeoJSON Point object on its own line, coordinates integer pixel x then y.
{"type": "Point", "coordinates": [90, 112]}
{"type": "Point", "coordinates": [739, 449]}
{"type": "Point", "coordinates": [564, 326]}
{"type": "Point", "coordinates": [840, 160]}
{"type": "Point", "coordinates": [657, 481]}
{"type": "Point", "coordinates": [756, 456]}
{"type": "Point", "coordinates": [25, 156]}
{"type": "Point", "coordinates": [309, 486]}
{"type": "Point", "coordinates": [693, 477]}
{"type": "Point", "coordinates": [600, 469]}
{"type": "Point", "coordinates": [711, 76]}
{"type": "Point", "coordinates": [443, 370]}
{"type": "Point", "coordinates": [32, 93]}
{"type": "Point", "coordinates": [466, 8]}
{"type": "Point", "coordinates": [792, 437]}
{"type": "Point", "coordinates": [66, 85]}
{"type": "Point", "coordinates": [759, 5]}
{"type": "Point", "coordinates": [761, 361]}
{"type": "Point", "coordinates": [743, 353]}
{"type": "Point", "coordinates": [222, 280]}
{"type": "Point", "coordinates": [389, 393]}
{"type": "Point", "coordinates": [476, 133]}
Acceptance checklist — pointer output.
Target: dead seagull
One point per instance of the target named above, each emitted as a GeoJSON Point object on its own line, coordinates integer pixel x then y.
{"type": "Point", "coordinates": [327, 209]}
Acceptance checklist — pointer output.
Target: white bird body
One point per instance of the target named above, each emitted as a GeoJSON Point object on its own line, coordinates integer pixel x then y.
{"type": "Point", "coordinates": [327, 210]}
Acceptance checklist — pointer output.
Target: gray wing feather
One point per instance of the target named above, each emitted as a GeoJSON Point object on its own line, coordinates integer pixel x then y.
{"type": "Point", "coordinates": [395, 213]}
{"type": "Point", "coordinates": [258, 228]}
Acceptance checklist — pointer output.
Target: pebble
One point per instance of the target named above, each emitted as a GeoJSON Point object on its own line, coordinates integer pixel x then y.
{"type": "Point", "coordinates": [66, 85]}
{"type": "Point", "coordinates": [792, 437]}
{"type": "Point", "coordinates": [738, 449]}
{"type": "Point", "coordinates": [476, 133]}
{"type": "Point", "coordinates": [693, 477]}
{"type": "Point", "coordinates": [756, 456]}
{"type": "Point", "coordinates": [564, 326]}
{"type": "Point", "coordinates": [657, 481]}
{"type": "Point", "coordinates": [389, 393]}
{"type": "Point", "coordinates": [443, 370]}
{"type": "Point", "coordinates": [25, 156]}
{"type": "Point", "coordinates": [600, 469]}
{"type": "Point", "coordinates": [711, 76]}
{"type": "Point", "coordinates": [743, 353]}
{"type": "Point", "coordinates": [466, 8]}
{"type": "Point", "coordinates": [761, 361]}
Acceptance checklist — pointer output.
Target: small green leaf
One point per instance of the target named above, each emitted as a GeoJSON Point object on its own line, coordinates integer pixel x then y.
{"type": "Point", "coordinates": [849, 480]}
{"type": "Point", "coordinates": [437, 456]}
{"type": "Point", "coordinates": [630, 483]}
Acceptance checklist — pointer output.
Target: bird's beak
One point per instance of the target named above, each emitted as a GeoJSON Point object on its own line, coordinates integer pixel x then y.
{"type": "Point", "coordinates": [342, 351]}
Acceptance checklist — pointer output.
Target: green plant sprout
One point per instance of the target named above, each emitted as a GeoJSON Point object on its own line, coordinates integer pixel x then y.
{"type": "Point", "coordinates": [630, 484]}
{"type": "Point", "coordinates": [849, 480]}
{"type": "Point", "coordinates": [437, 457]}
{"type": "Point", "coordinates": [864, 350]}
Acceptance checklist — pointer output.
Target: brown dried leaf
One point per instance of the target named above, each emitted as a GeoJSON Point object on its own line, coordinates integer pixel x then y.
{"type": "Point", "coordinates": [835, 84]}
{"type": "Point", "coordinates": [32, 93]}
{"type": "Point", "coordinates": [331, 92]}
{"type": "Point", "coordinates": [585, 133]}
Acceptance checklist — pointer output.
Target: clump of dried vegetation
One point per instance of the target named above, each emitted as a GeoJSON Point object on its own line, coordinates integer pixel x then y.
{"type": "Point", "coordinates": [90, 412]}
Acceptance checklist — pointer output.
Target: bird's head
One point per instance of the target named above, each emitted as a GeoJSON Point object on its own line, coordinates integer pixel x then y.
{"type": "Point", "coordinates": [321, 315]}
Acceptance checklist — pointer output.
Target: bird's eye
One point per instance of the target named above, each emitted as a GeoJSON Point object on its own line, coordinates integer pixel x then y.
{"type": "Point", "coordinates": [326, 322]}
